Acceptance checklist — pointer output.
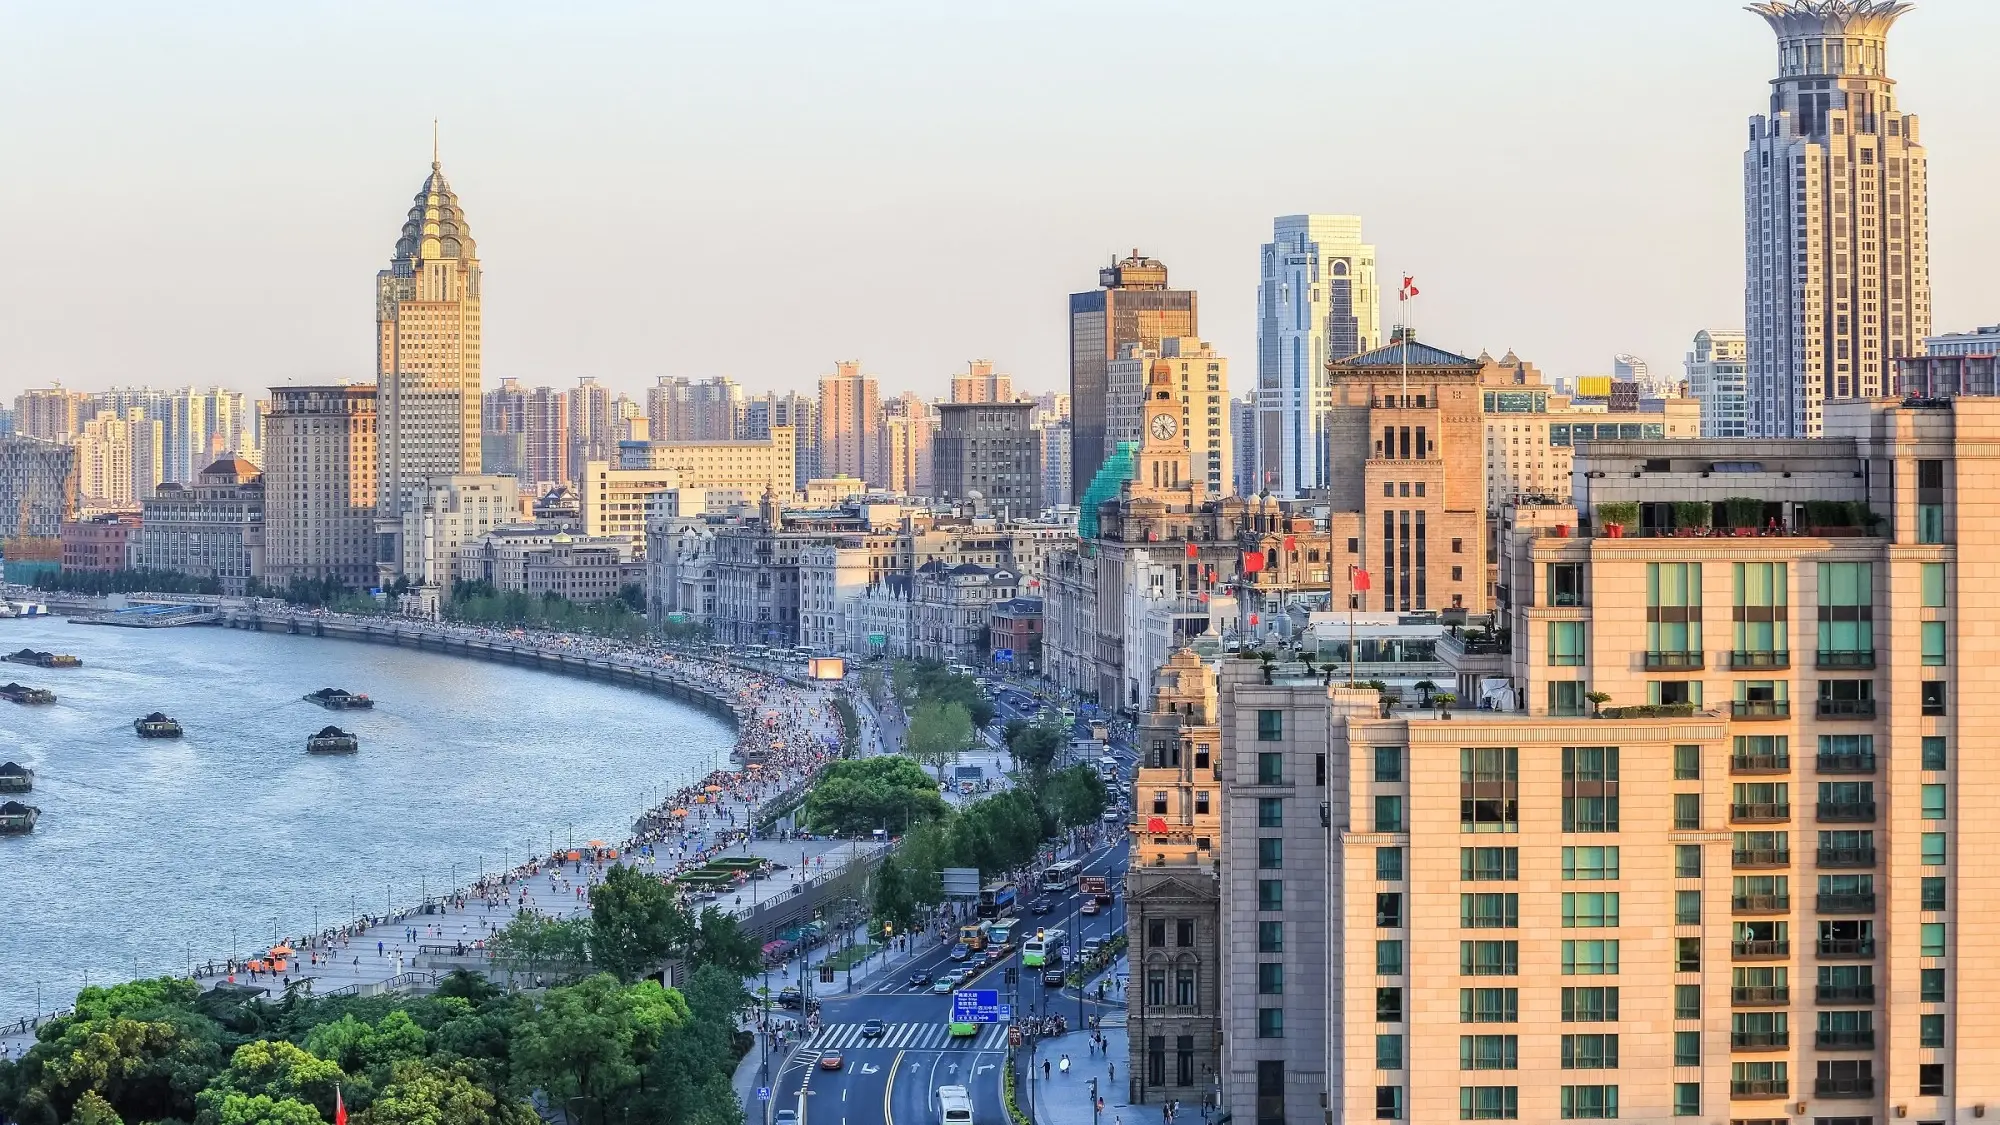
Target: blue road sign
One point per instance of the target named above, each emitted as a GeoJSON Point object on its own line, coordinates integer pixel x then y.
{"type": "Point", "coordinates": [976, 1005]}
{"type": "Point", "coordinates": [1003, 655]}
{"type": "Point", "coordinates": [763, 1093]}
{"type": "Point", "coordinates": [1006, 1013]}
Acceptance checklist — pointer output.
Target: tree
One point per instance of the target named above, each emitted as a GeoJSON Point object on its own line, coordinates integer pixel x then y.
{"type": "Point", "coordinates": [146, 1070]}
{"type": "Point", "coordinates": [892, 896]}
{"type": "Point", "coordinates": [592, 1040]}
{"type": "Point", "coordinates": [261, 1109]}
{"type": "Point", "coordinates": [422, 1094]}
{"type": "Point", "coordinates": [93, 1110]}
{"type": "Point", "coordinates": [859, 795]}
{"type": "Point", "coordinates": [284, 1071]}
{"type": "Point", "coordinates": [635, 922]}
{"type": "Point", "coordinates": [1036, 745]}
{"type": "Point", "coordinates": [556, 947]}
{"type": "Point", "coordinates": [720, 941]}
{"type": "Point", "coordinates": [938, 733]}
{"type": "Point", "coordinates": [1074, 797]}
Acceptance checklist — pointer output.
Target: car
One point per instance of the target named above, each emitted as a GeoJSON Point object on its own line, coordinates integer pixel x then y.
{"type": "Point", "coordinates": [920, 980]}
{"type": "Point", "coordinates": [787, 1117]}
{"type": "Point", "coordinates": [832, 1060]}
{"type": "Point", "coordinates": [942, 985]}
{"type": "Point", "coordinates": [995, 953]}
{"type": "Point", "coordinates": [960, 951]}
{"type": "Point", "coordinates": [873, 1029]}
{"type": "Point", "coordinates": [1040, 906]}
{"type": "Point", "coordinates": [1052, 977]}
{"type": "Point", "coordinates": [790, 997]}
{"type": "Point", "coordinates": [1113, 816]}
{"type": "Point", "coordinates": [1089, 907]}
{"type": "Point", "coordinates": [1091, 947]}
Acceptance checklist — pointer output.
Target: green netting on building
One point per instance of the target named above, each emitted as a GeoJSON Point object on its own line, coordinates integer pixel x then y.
{"type": "Point", "coordinates": [1118, 468]}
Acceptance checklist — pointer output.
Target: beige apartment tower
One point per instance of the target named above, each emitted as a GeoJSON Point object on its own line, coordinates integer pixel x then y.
{"type": "Point", "coordinates": [320, 463]}
{"type": "Point", "coordinates": [850, 425]}
{"type": "Point", "coordinates": [427, 323]}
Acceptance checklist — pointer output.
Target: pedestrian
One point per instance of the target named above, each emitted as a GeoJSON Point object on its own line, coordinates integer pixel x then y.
{"type": "Point", "coordinates": [1045, 1070]}
{"type": "Point", "coordinates": [1111, 1071]}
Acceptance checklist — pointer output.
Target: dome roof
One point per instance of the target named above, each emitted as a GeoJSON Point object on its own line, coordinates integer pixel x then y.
{"type": "Point", "coordinates": [436, 227]}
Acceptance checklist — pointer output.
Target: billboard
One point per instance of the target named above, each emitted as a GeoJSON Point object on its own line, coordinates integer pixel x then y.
{"type": "Point", "coordinates": [1593, 386]}
{"type": "Point", "coordinates": [960, 882]}
{"type": "Point", "coordinates": [826, 668]}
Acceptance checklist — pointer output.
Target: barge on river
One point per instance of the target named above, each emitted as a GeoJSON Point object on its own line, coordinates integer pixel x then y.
{"type": "Point", "coordinates": [332, 740]}
{"type": "Point", "coordinates": [16, 818]}
{"type": "Point", "coordinates": [43, 659]}
{"type": "Point", "coordinates": [340, 699]}
{"type": "Point", "coordinates": [157, 725]}
{"type": "Point", "coordinates": [16, 693]}
{"type": "Point", "coordinates": [15, 778]}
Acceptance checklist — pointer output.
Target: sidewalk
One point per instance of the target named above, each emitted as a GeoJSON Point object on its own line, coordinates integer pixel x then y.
{"type": "Point", "coordinates": [1065, 1099]}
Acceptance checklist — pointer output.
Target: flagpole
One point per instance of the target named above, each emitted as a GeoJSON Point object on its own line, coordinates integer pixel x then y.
{"type": "Point", "coordinates": [1403, 308]}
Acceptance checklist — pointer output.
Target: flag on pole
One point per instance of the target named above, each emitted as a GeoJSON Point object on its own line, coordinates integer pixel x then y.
{"type": "Point", "coordinates": [339, 1108]}
{"type": "Point", "coordinates": [1409, 289]}
{"type": "Point", "coordinates": [1291, 542]}
{"type": "Point", "coordinates": [1360, 579]}
{"type": "Point", "coordinates": [1253, 562]}
{"type": "Point", "coordinates": [1193, 551]}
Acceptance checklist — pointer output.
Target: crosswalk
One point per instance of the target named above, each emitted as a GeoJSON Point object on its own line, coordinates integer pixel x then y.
{"type": "Point", "coordinates": [907, 1036]}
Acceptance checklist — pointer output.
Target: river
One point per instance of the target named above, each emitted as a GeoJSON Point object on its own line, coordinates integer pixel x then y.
{"type": "Point", "coordinates": [150, 852]}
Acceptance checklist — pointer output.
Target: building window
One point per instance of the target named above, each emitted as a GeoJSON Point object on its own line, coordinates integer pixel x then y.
{"type": "Point", "coordinates": [1489, 1005]}
{"type": "Point", "coordinates": [1389, 1005]}
{"type": "Point", "coordinates": [1673, 607]}
{"type": "Point", "coordinates": [1270, 937]}
{"type": "Point", "coordinates": [1933, 584]}
{"type": "Point", "coordinates": [1687, 1099]}
{"type": "Point", "coordinates": [1388, 1103]}
{"type": "Point", "coordinates": [1931, 848]}
{"type": "Point", "coordinates": [1930, 986]}
{"type": "Point", "coordinates": [1270, 1092]}
{"type": "Point", "coordinates": [1489, 911]}
{"type": "Point", "coordinates": [1846, 613]}
{"type": "Point", "coordinates": [1270, 768]}
{"type": "Point", "coordinates": [1930, 1080]}
{"type": "Point", "coordinates": [1270, 726]}
{"type": "Point", "coordinates": [1930, 892]}
{"type": "Point", "coordinates": [1389, 957]}
{"type": "Point", "coordinates": [1687, 1001]}
{"type": "Point", "coordinates": [1590, 789]}
{"type": "Point", "coordinates": [1270, 1023]}
{"type": "Point", "coordinates": [1270, 894]}
{"type": "Point", "coordinates": [1388, 814]}
{"type": "Point", "coordinates": [1489, 864]}
{"type": "Point", "coordinates": [1388, 863]}
{"type": "Point", "coordinates": [1388, 1052]}
{"type": "Point", "coordinates": [1759, 612]}
{"type": "Point", "coordinates": [1931, 638]}
{"type": "Point", "coordinates": [1388, 763]}
{"type": "Point", "coordinates": [1566, 640]}
{"type": "Point", "coordinates": [1589, 1103]}
{"type": "Point", "coordinates": [1933, 752]}
{"type": "Point", "coordinates": [1589, 958]}
{"type": "Point", "coordinates": [1930, 1031]}
{"type": "Point", "coordinates": [1590, 1052]}
{"type": "Point", "coordinates": [1565, 584]}
{"type": "Point", "coordinates": [1933, 802]}
{"type": "Point", "coordinates": [1687, 763]}
{"type": "Point", "coordinates": [1687, 1048]}
{"type": "Point", "coordinates": [1687, 908]}
{"type": "Point", "coordinates": [1687, 810]}
{"type": "Point", "coordinates": [1687, 955]}
{"type": "Point", "coordinates": [1931, 697]}
{"type": "Point", "coordinates": [1489, 1103]}
{"type": "Point", "coordinates": [1489, 958]}
{"type": "Point", "coordinates": [1270, 812]}
{"type": "Point", "coordinates": [1566, 698]}
{"type": "Point", "coordinates": [1489, 1052]}
{"type": "Point", "coordinates": [1590, 1005]}
{"type": "Point", "coordinates": [1389, 910]}
{"type": "Point", "coordinates": [1687, 861]}
{"type": "Point", "coordinates": [1589, 909]}
{"type": "Point", "coordinates": [1271, 853]}
{"type": "Point", "coordinates": [1489, 789]}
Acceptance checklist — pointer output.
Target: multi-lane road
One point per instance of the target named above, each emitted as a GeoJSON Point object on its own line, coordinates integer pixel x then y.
{"type": "Point", "coordinates": [892, 1078]}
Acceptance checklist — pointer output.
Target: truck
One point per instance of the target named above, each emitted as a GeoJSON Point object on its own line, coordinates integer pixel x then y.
{"type": "Point", "coordinates": [1097, 887]}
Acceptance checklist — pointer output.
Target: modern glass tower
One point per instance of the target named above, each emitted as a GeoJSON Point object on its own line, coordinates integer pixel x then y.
{"type": "Point", "coordinates": [1316, 303]}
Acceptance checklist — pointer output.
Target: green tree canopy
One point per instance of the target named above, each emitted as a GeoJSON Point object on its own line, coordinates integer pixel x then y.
{"type": "Point", "coordinates": [280, 1070]}
{"type": "Point", "coordinates": [862, 794]}
{"type": "Point", "coordinates": [938, 733]}
{"type": "Point", "coordinates": [635, 922]}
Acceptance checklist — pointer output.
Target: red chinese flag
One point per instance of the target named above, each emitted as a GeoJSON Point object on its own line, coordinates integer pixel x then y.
{"type": "Point", "coordinates": [1193, 551]}
{"type": "Point", "coordinates": [1360, 579]}
{"type": "Point", "coordinates": [1253, 562]}
{"type": "Point", "coordinates": [1253, 619]}
{"type": "Point", "coordinates": [339, 1108]}
{"type": "Point", "coordinates": [1291, 542]}
{"type": "Point", "coordinates": [1157, 825]}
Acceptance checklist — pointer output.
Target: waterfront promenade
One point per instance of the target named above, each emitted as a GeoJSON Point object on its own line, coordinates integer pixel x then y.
{"type": "Point", "coordinates": [788, 722]}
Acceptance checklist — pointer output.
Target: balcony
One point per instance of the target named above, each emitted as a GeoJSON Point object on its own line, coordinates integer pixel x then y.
{"type": "Point", "coordinates": [1761, 857]}
{"type": "Point", "coordinates": [1763, 710]}
{"type": "Point", "coordinates": [1844, 1087]}
{"type": "Point", "coordinates": [1741, 661]}
{"type": "Point", "coordinates": [1842, 658]}
{"type": "Point", "coordinates": [1760, 1040]}
{"type": "Point", "coordinates": [1847, 857]}
{"type": "Point", "coordinates": [1760, 813]}
{"type": "Point", "coordinates": [1860, 1039]}
{"type": "Point", "coordinates": [1760, 904]}
{"type": "Point", "coordinates": [1760, 1088]}
{"type": "Point", "coordinates": [1847, 812]}
{"type": "Point", "coordinates": [1846, 709]}
{"type": "Point", "coordinates": [1760, 763]}
{"type": "Point", "coordinates": [1845, 763]}
{"type": "Point", "coordinates": [1761, 996]}
{"type": "Point", "coordinates": [1848, 948]}
{"type": "Point", "coordinates": [1844, 994]}
{"type": "Point", "coordinates": [1857, 902]}
{"type": "Point", "coordinates": [1674, 662]}
{"type": "Point", "coordinates": [1768, 949]}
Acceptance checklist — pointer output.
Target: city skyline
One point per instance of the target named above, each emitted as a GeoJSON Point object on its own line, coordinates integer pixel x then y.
{"type": "Point", "coordinates": [1655, 274]}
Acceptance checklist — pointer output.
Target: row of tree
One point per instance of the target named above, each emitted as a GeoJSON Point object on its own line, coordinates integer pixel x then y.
{"type": "Point", "coordinates": [478, 602]}
{"type": "Point", "coordinates": [637, 923]}
{"type": "Point", "coordinates": [141, 580]}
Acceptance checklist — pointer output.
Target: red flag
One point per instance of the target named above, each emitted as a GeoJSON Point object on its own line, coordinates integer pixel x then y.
{"type": "Point", "coordinates": [339, 1108]}
{"type": "Point", "coordinates": [1253, 562]}
{"type": "Point", "coordinates": [1193, 551]}
{"type": "Point", "coordinates": [1409, 288]}
{"type": "Point", "coordinates": [1360, 579]}
{"type": "Point", "coordinates": [1157, 825]}
{"type": "Point", "coordinates": [1253, 619]}
{"type": "Point", "coordinates": [1291, 542]}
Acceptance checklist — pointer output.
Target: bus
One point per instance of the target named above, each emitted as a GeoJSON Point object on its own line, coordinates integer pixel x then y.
{"type": "Point", "coordinates": [954, 1106]}
{"type": "Point", "coordinates": [1062, 876]}
{"type": "Point", "coordinates": [972, 935]}
{"type": "Point", "coordinates": [1004, 930]}
{"type": "Point", "coordinates": [996, 898]}
{"type": "Point", "coordinates": [1034, 953]}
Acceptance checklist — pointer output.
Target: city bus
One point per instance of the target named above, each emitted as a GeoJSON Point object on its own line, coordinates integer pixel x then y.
{"type": "Point", "coordinates": [972, 935]}
{"type": "Point", "coordinates": [954, 1106]}
{"type": "Point", "coordinates": [996, 898]}
{"type": "Point", "coordinates": [1034, 953]}
{"type": "Point", "coordinates": [1004, 930]}
{"type": "Point", "coordinates": [1062, 876]}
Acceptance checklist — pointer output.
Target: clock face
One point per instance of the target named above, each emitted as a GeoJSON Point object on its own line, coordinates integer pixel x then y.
{"type": "Point", "coordinates": [1164, 426]}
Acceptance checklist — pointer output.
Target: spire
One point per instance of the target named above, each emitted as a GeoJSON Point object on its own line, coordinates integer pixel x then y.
{"type": "Point", "coordinates": [435, 166]}
{"type": "Point", "coordinates": [435, 227]}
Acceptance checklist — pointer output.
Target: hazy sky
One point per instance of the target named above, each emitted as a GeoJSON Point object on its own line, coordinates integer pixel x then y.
{"type": "Point", "coordinates": [204, 191]}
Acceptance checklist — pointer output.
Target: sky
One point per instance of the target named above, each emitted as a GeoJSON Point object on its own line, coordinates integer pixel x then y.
{"type": "Point", "coordinates": [202, 192]}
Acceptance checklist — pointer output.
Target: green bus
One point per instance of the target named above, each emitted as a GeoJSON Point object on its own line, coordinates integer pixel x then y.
{"type": "Point", "coordinates": [1034, 952]}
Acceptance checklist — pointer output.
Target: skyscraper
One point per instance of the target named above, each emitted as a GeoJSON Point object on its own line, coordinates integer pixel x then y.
{"type": "Point", "coordinates": [981, 384]}
{"type": "Point", "coordinates": [683, 409]}
{"type": "Point", "coordinates": [908, 426]}
{"type": "Point", "coordinates": [592, 427]}
{"type": "Point", "coordinates": [319, 484]}
{"type": "Point", "coordinates": [1132, 305]}
{"type": "Point", "coordinates": [800, 412]}
{"type": "Point", "coordinates": [1316, 303]}
{"type": "Point", "coordinates": [1836, 232]}
{"type": "Point", "coordinates": [428, 356]}
{"type": "Point", "coordinates": [850, 425]}
{"type": "Point", "coordinates": [1715, 379]}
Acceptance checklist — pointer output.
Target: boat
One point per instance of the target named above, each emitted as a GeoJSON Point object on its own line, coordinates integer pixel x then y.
{"type": "Point", "coordinates": [157, 725]}
{"type": "Point", "coordinates": [16, 818]}
{"type": "Point", "coordinates": [15, 693]}
{"type": "Point", "coordinates": [15, 778]}
{"type": "Point", "coordinates": [332, 740]}
{"type": "Point", "coordinates": [25, 609]}
{"type": "Point", "coordinates": [43, 659]}
{"type": "Point", "coordinates": [340, 699]}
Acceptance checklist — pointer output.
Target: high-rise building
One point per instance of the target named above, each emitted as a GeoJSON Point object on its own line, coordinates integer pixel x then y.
{"type": "Point", "coordinates": [1054, 453]}
{"type": "Point", "coordinates": [320, 477]}
{"type": "Point", "coordinates": [451, 512]}
{"type": "Point", "coordinates": [1316, 303]}
{"type": "Point", "coordinates": [729, 472]}
{"type": "Point", "coordinates": [427, 320]}
{"type": "Point", "coordinates": [1243, 440]}
{"type": "Point", "coordinates": [104, 462]}
{"type": "Point", "coordinates": [850, 425]}
{"type": "Point", "coordinates": [981, 384]}
{"type": "Point", "coordinates": [682, 409]}
{"type": "Point", "coordinates": [197, 427]}
{"type": "Point", "coordinates": [503, 410]}
{"type": "Point", "coordinates": [38, 487]}
{"type": "Point", "coordinates": [990, 451]}
{"type": "Point", "coordinates": [909, 429]}
{"type": "Point", "coordinates": [1132, 305]}
{"type": "Point", "coordinates": [51, 413]}
{"type": "Point", "coordinates": [1200, 381]}
{"type": "Point", "coordinates": [1715, 374]}
{"type": "Point", "coordinates": [592, 425]}
{"type": "Point", "coordinates": [800, 412]}
{"type": "Point", "coordinates": [1837, 238]}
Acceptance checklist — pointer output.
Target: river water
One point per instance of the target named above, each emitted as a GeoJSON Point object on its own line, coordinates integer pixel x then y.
{"type": "Point", "coordinates": [151, 852]}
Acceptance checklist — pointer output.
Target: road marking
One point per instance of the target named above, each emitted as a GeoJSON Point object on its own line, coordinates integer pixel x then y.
{"type": "Point", "coordinates": [889, 1087]}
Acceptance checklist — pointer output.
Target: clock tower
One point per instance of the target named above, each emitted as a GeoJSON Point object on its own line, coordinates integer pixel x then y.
{"type": "Point", "coordinates": [1163, 454]}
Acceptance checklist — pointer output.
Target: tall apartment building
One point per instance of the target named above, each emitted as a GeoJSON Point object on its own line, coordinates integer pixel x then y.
{"type": "Point", "coordinates": [1054, 448]}
{"type": "Point", "coordinates": [1837, 237]}
{"type": "Point", "coordinates": [427, 321]}
{"type": "Point", "coordinates": [683, 409]}
{"type": "Point", "coordinates": [197, 427]}
{"type": "Point", "coordinates": [850, 425]}
{"type": "Point", "coordinates": [909, 433]}
{"type": "Point", "coordinates": [981, 384]}
{"type": "Point", "coordinates": [1317, 302]}
{"type": "Point", "coordinates": [593, 425]}
{"type": "Point", "coordinates": [320, 477]}
{"type": "Point", "coordinates": [1716, 372]}
{"type": "Point", "coordinates": [38, 487]}
{"type": "Point", "coordinates": [1249, 475]}
{"type": "Point", "coordinates": [504, 410]}
{"type": "Point", "coordinates": [989, 450]}
{"type": "Point", "coordinates": [800, 412]}
{"type": "Point", "coordinates": [731, 472]}
{"type": "Point", "coordinates": [51, 413]}
{"type": "Point", "coordinates": [104, 461]}
{"type": "Point", "coordinates": [1132, 305]}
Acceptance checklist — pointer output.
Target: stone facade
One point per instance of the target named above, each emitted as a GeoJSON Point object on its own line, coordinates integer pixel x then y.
{"type": "Point", "coordinates": [211, 529]}
{"type": "Point", "coordinates": [320, 479]}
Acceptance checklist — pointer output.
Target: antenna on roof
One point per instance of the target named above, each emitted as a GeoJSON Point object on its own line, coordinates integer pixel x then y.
{"type": "Point", "coordinates": [434, 142]}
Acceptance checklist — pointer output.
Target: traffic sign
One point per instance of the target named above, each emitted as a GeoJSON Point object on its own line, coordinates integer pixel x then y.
{"type": "Point", "coordinates": [978, 1005]}
{"type": "Point", "coordinates": [1006, 1013]}
{"type": "Point", "coordinates": [763, 1093]}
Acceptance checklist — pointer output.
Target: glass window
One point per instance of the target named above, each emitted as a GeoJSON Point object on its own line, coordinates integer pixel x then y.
{"type": "Point", "coordinates": [1389, 957]}
{"type": "Point", "coordinates": [1388, 864]}
{"type": "Point", "coordinates": [1673, 607]}
{"type": "Point", "coordinates": [1930, 986]}
{"type": "Point", "coordinates": [1389, 1005]}
{"type": "Point", "coordinates": [1687, 1099]}
{"type": "Point", "coordinates": [1930, 1031]}
{"type": "Point", "coordinates": [1388, 763]}
{"type": "Point", "coordinates": [1270, 894]}
{"type": "Point", "coordinates": [1932, 848]}
{"type": "Point", "coordinates": [1687, 1048]}
{"type": "Point", "coordinates": [1270, 769]}
{"type": "Point", "coordinates": [1270, 853]}
{"type": "Point", "coordinates": [1489, 1005]}
{"type": "Point", "coordinates": [1930, 939]}
{"type": "Point", "coordinates": [1388, 814]}
{"type": "Point", "coordinates": [1270, 937]}
{"type": "Point", "coordinates": [1933, 802]}
{"type": "Point", "coordinates": [1489, 864]}
{"type": "Point", "coordinates": [1271, 978]}
{"type": "Point", "coordinates": [1590, 1005]}
{"type": "Point", "coordinates": [1687, 908]}
{"type": "Point", "coordinates": [1270, 812]}
{"type": "Point", "coordinates": [1388, 1099]}
{"type": "Point", "coordinates": [1565, 584]}
{"type": "Point", "coordinates": [1566, 697]}
{"type": "Point", "coordinates": [1590, 1052]}
{"type": "Point", "coordinates": [1270, 726]}
{"type": "Point", "coordinates": [1687, 810]}
{"type": "Point", "coordinates": [1489, 958]}
{"type": "Point", "coordinates": [1934, 752]}
{"type": "Point", "coordinates": [1846, 599]}
{"type": "Point", "coordinates": [1759, 612]}
{"type": "Point", "coordinates": [1589, 958]}
{"type": "Point", "coordinates": [1489, 911]}
{"type": "Point", "coordinates": [1930, 523]}
{"type": "Point", "coordinates": [1590, 862]}
{"type": "Point", "coordinates": [1489, 1052]}
{"type": "Point", "coordinates": [1687, 861]}
{"type": "Point", "coordinates": [1933, 583]}
{"type": "Point", "coordinates": [1566, 644]}
{"type": "Point", "coordinates": [1590, 908]}
{"type": "Point", "coordinates": [1489, 789]}
{"type": "Point", "coordinates": [1388, 1052]}
{"type": "Point", "coordinates": [1932, 642]}
{"type": "Point", "coordinates": [1590, 789]}
{"type": "Point", "coordinates": [1687, 763]}
{"type": "Point", "coordinates": [1687, 955]}
{"type": "Point", "coordinates": [1687, 1001]}
{"type": "Point", "coordinates": [1931, 893]}
{"type": "Point", "coordinates": [1589, 1103]}
{"type": "Point", "coordinates": [1270, 1023]}
{"type": "Point", "coordinates": [1489, 1103]}
{"type": "Point", "coordinates": [1930, 1080]}
{"type": "Point", "coordinates": [1389, 910]}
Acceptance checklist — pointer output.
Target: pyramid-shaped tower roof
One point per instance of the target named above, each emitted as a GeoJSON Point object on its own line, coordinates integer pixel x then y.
{"type": "Point", "coordinates": [436, 226]}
